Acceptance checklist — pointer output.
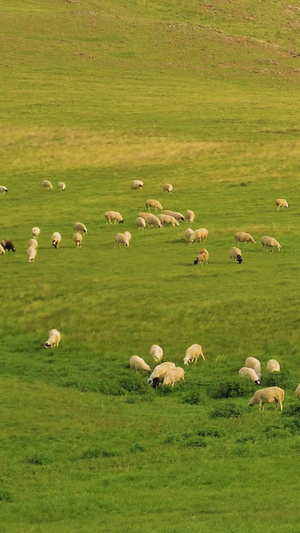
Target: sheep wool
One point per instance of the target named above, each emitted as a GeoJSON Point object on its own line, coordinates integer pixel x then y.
{"type": "Point", "coordinates": [202, 257]}
{"type": "Point", "coordinates": [33, 243]}
{"type": "Point", "coordinates": [192, 354]}
{"type": "Point", "coordinates": [31, 254]}
{"type": "Point", "coordinates": [47, 185]}
{"type": "Point", "coordinates": [167, 220]}
{"type": "Point", "coordinates": [156, 353]}
{"type": "Point", "coordinates": [235, 254]}
{"type": "Point", "coordinates": [242, 236]}
{"type": "Point", "coordinates": [268, 395]}
{"type": "Point", "coordinates": [2, 251]}
{"type": "Point", "coordinates": [114, 217]}
{"type": "Point", "coordinates": [252, 362]}
{"type": "Point", "coordinates": [77, 238]}
{"type": "Point", "coordinates": [127, 235]}
{"type": "Point", "coordinates": [175, 214]}
{"type": "Point", "coordinates": [3, 189]}
{"type": "Point", "coordinates": [190, 215]}
{"type": "Point", "coordinates": [167, 187]}
{"type": "Point", "coordinates": [54, 339]}
{"type": "Point", "coordinates": [137, 363]}
{"type": "Point", "coordinates": [56, 239]}
{"type": "Point", "coordinates": [136, 184]}
{"type": "Point", "coordinates": [199, 235]}
{"type": "Point", "coordinates": [78, 226]}
{"type": "Point", "coordinates": [121, 240]}
{"type": "Point", "coordinates": [35, 232]}
{"type": "Point", "coordinates": [155, 204]}
{"type": "Point", "coordinates": [273, 366]}
{"type": "Point", "coordinates": [281, 202]}
{"type": "Point", "coordinates": [61, 186]}
{"type": "Point", "coordinates": [174, 375]}
{"type": "Point", "coordinates": [250, 374]}
{"type": "Point", "coordinates": [152, 221]}
{"type": "Point", "coordinates": [270, 242]}
{"type": "Point", "coordinates": [159, 372]}
{"type": "Point", "coordinates": [188, 233]}
{"type": "Point", "coordinates": [140, 222]}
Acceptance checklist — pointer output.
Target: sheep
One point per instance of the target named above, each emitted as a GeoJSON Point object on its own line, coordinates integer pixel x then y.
{"type": "Point", "coordinates": [242, 236]}
{"type": "Point", "coordinates": [156, 353]}
{"type": "Point", "coordinates": [34, 243]}
{"type": "Point", "coordinates": [2, 251]}
{"type": "Point", "coordinates": [121, 240]}
{"type": "Point", "coordinates": [153, 203]}
{"type": "Point", "coordinates": [159, 372]}
{"type": "Point", "coordinates": [78, 226]}
{"type": "Point", "coordinates": [176, 374]}
{"type": "Point", "coordinates": [175, 214]}
{"type": "Point", "coordinates": [235, 254]}
{"type": "Point", "coordinates": [8, 245]}
{"type": "Point", "coordinates": [188, 233]}
{"type": "Point", "coordinates": [61, 185]}
{"type": "Point", "coordinates": [167, 220]}
{"type": "Point", "coordinates": [167, 187]}
{"type": "Point", "coordinates": [250, 374]}
{"type": "Point", "coordinates": [114, 216]}
{"type": "Point", "coordinates": [151, 220]}
{"type": "Point", "coordinates": [35, 232]}
{"type": "Point", "coordinates": [31, 253]}
{"type": "Point", "coordinates": [77, 238]}
{"type": "Point", "coordinates": [297, 392]}
{"type": "Point", "coordinates": [128, 235]}
{"type": "Point", "coordinates": [270, 242]}
{"type": "Point", "coordinates": [137, 363]}
{"type": "Point", "coordinates": [53, 340]}
{"type": "Point", "coordinates": [56, 239]}
{"type": "Point", "coordinates": [281, 202]}
{"type": "Point", "coordinates": [190, 215]}
{"type": "Point", "coordinates": [136, 184]}
{"type": "Point", "coordinates": [199, 235]}
{"type": "Point", "coordinates": [252, 362]}
{"type": "Point", "coordinates": [202, 257]}
{"type": "Point", "coordinates": [140, 222]}
{"type": "Point", "coordinates": [268, 395]}
{"type": "Point", "coordinates": [273, 366]}
{"type": "Point", "coordinates": [47, 185]}
{"type": "Point", "coordinates": [3, 189]}
{"type": "Point", "coordinates": [192, 354]}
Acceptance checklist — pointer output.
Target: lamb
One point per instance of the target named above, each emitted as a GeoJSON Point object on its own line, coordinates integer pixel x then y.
{"type": "Point", "coordinates": [176, 374]}
{"type": "Point", "coordinates": [268, 395]}
{"type": "Point", "coordinates": [281, 202]}
{"type": "Point", "coordinates": [3, 189]}
{"type": "Point", "coordinates": [53, 340]}
{"type": "Point", "coordinates": [137, 363]}
{"type": "Point", "coordinates": [77, 238]}
{"type": "Point", "coordinates": [156, 353]}
{"type": "Point", "coordinates": [8, 245]}
{"type": "Point", "coordinates": [31, 253]}
{"type": "Point", "coordinates": [121, 240]}
{"type": "Point", "coordinates": [270, 242]}
{"type": "Point", "coordinates": [47, 185]}
{"type": "Point", "coordinates": [136, 184]}
{"type": "Point", "coordinates": [175, 214]}
{"type": "Point", "coordinates": [192, 354]}
{"type": "Point", "coordinates": [114, 216]}
{"type": "Point", "coordinates": [235, 254]}
{"type": "Point", "coordinates": [190, 215]}
{"type": "Point", "coordinates": [2, 251]}
{"type": "Point", "coordinates": [250, 374]}
{"type": "Point", "coordinates": [33, 243]}
{"type": "Point", "coordinates": [167, 187]}
{"type": "Point", "coordinates": [252, 362]}
{"type": "Point", "coordinates": [167, 220]}
{"type": "Point", "coordinates": [153, 203]}
{"type": "Point", "coordinates": [61, 185]}
{"type": "Point", "coordinates": [159, 372]}
{"type": "Point", "coordinates": [297, 392]}
{"type": "Point", "coordinates": [273, 366]}
{"type": "Point", "coordinates": [128, 235]}
{"type": "Point", "coordinates": [56, 239]}
{"type": "Point", "coordinates": [188, 233]}
{"type": "Point", "coordinates": [242, 236]}
{"type": "Point", "coordinates": [78, 226]}
{"type": "Point", "coordinates": [202, 257]}
{"type": "Point", "coordinates": [151, 220]}
{"type": "Point", "coordinates": [199, 235]}
{"type": "Point", "coordinates": [35, 232]}
{"type": "Point", "coordinates": [140, 222]}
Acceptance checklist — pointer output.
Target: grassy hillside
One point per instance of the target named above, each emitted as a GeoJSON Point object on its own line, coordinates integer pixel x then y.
{"type": "Point", "coordinates": [204, 97]}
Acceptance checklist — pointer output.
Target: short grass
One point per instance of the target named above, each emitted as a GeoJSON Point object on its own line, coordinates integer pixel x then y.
{"type": "Point", "coordinates": [206, 98]}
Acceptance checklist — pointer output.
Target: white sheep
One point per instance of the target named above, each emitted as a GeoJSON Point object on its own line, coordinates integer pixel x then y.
{"type": "Point", "coordinates": [34, 243]}
{"type": "Point", "coordinates": [167, 220]}
{"type": "Point", "coordinates": [252, 362]}
{"type": "Point", "coordinates": [190, 215]}
{"type": "Point", "coordinates": [156, 353]}
{"type": "Point", "coordinates": [137, 363]}
{"type": "Point", "coordinates": [268, 395]}
{"type": "Point", "coordinates": [270, 242]}
{"type": "Point", "coordinates": [155, 204]}
{"type": "Point", "coordinates": [3, 189]}
{"type": "Point", "coordinates": [56, 239]}
{"type": "Point", "coordinates": [249, 373]}
{"type": "Point", "coordinates": [174, 375]}
{"type": "Point", "coordinates": [78, 226]}
{"type": "Point", "coordinates": [140, 222]}
{"type": "Point", "coordinates": [136, 184]}
{"type": "Point", "coordinates": [273, 366]}
{"type": "Point", "coordinates": [235, 254]}
{"type": "Point", "coordinates": [61, 186]}
{"type": "Point", "coordinates": [31, 253]}
{"type": "Point", "coordinates": [47, 185]}
{"type": "Point", "coordinates": [114, 216]}
{"type": "Point", "coordinates": [202, 257]}
{"type": "Point", "coordinates": [53, 340]}
{"type": "Point", "coordinates": [281, 202]}
{"type": "Point", "coordinates": [159, 372]}
{"type": "Point", "coordinates": [199, 235]}
{"type": "Point", "coordinates": [2, 250]}
{"type": "Point", "coordinates": [175, 214]}
{"type": "Point", "coordinates": [167, 187]}
{"type": "Point", "coordinates": [192, 354]}
{"type": "Point", "coordinates": [151, 220]}
{"type": "Point", "coordinates": [121, 240]}
{"type": "Point", "coordinates": [243, 236]}
{"type": "Point", "coordinates": [297, 392]}
{"type": "Point", "coordinates": [35, 232]}
{"type": "Point", "coordinates": [128, 235]}
{"type": "Point", "coordinates": [77, 238]}
{"type": "Point", "coordinates": [188, 233]}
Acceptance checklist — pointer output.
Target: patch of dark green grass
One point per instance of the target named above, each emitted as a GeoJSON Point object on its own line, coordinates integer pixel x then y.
{"type": "Point", "coordinates": [227, 410]}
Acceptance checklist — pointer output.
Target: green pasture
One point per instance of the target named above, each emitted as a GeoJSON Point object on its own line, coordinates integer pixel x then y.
{"type": "Point", "coordinates": [205, 97]}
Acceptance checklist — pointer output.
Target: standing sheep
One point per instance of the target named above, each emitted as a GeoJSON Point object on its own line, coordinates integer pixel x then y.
{"type": "Point", "coordinates": [156, 353]}
{"type": "Point", "coordinates": [140, 222]}
{"type": "Point", "coordinates": [3, 189]}
{"type": "Point", "coordinates": [270, 242]}
{"type": "Point", "coordinates": [53, 340]}
{"type": "Point", "coordinates": [159, 372]}
{"type": "Point", "coordinates": [136, 184]}
{"type": "Point", "coordinates": [155, 204]}
{"type": "Point", "coordinates": [242, 236]}
{"type": "Point", "coordinates": [167, 220]}
{"type": "Point", "coordinates": [190, 215]}
{"type": "Point", "coordinates": [35, 232]}
{"type": "Point", "coordinates": [188, 233]}
{"type": "Point", "coordinates": [114, 216]}
{"type": "Point", "coordinates": [199, 235]}
{"type": "Point", "coordinates": [61, 186]}
{"type": "Point", "coordinates": [273, 366]}
{"type": "Point", "coordinates": [127, 235]}
{"type": "Point", "coordinates": [31, 253]}
{"type": "Point", "coordinates": [268, 395]}
{"type": "Point", "coordinates": [78, 226]}
{"type": "Point", "coordinates": [121, 240]}
{"type": "Point", "coordinates": [47, 185]}
{"type": "Point", "coordinates": [281, 202]}
{"type": "Point", "coordinates": [252, 362]}
{"type": "Point", "coordinates": [137, 363]}
{"type": "Point", "coordinates": [192, 354]}
{"type": "Point", "coordinates": [167, 187]}
{"type": "Point", "coordinates": [34, 243]}
{"type": "Point", "coordinates": [235, 254]}
{"type": "Point", "coordinates": [77, 238]}
{"type": "Point", "coordinates": [174, 375]}
{"type": "Point", "coordinates": [175, 214]}
{"type": "Point", "coordinates": [249, 373]}
{"type": "Point", "coordinates": [56, 239]}
{"type": "Point", "coordinates": [202, 257]}
{"type": "Point", "coordinates": [8, 245]}
{"type": "Point", "coordinates": [151, 220]}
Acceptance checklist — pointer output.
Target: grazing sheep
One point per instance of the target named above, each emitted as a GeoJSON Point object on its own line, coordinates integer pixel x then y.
{"type": "Point", "coordinates": [77, 238]}
{"type": "Point", "coordinates": [156, 353]}
{"type": "Point", "coordinates": [199, 235]}
{"type": "Point", "coordinates": [249, 373]}
{"type": "Point", "coordinates": [153, 203]}
{"type": "Point", "coordinates": [47, 185]}
{"type": "Point", "coordinates": [140, 222]}
{"type": "Point", "coordinates": [297, 392]}
{"type": "Point", "coordinates": [137, 363]}
{"type": "Point", "coordinates": [192, 354]}
{"type": "Point", "coordinates": [268, 395]}
{"type": "Point", "coordinates": [78, 226]}
{"type": "Point", "coordinates": [190, 215]}
{"type": "Point", "coordinates": [114, 216]}
{"type": "Point", "coordinates": [158, 373]}
{"type": "Point", "coordinates": [188, 233]}
{"type": "Point", "coordinates": [33, 243]}
{"type": "Point", "coordinates": [270, 242]}
{"type": "Point", "coordinates": [31, 253]}
{"type": "Point", "coordinates": [167, 187]}
{"type": "Point", "coordinates": [235, 254]}
{"type": "Point", "coordinates": [61, 185]}
{"type": "Point", "coordinates": [242, 236]}
{"type": "Point", "coordinates": [281, 202]}
{"type": "Point", "coordinates": [128, 235]}
{"type": "Point", "coordinates": [175, 214]}
{"type": "Point", "coordinates": [8, 245]}
{"type": "Point", "coordinates": [2, 251]}
{"type": "Point", "coordinates": [151, 220]}
{"type": "Point", "coordinates": [273, 366]}
{"type": "Point", "coordinates": [121, 240]}
{"type": "Point", "coordinates": [56, 239]}
{"type": "Point", "coordinates": [136, 184]}
{"type": "Point", "coordinates": [252, 362]}
{"type": "Point", "coordinates": [3, 189]}
{"type": "Point", "coordinates": [35, 232]}
{"type": "Point", "coordinates": [167, 220]}
{"type": "Point", "coordinates": [202, 257]}
{"type": "Point", "coordinates": [53, 340]}
{"type": "Point", "coordinates": [176, 374]}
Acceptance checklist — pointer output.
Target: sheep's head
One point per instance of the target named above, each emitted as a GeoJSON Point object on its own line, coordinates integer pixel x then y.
{"type": "Point", "coordinates": [46, 345]}
{"type": "Point", "coordinates": [239, 258]}
{"type": "Point", "coordinates": [196, 261]}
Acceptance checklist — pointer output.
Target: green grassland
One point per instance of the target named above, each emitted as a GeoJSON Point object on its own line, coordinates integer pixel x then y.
{"type": "Point", "coordinates": [203, 96]}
